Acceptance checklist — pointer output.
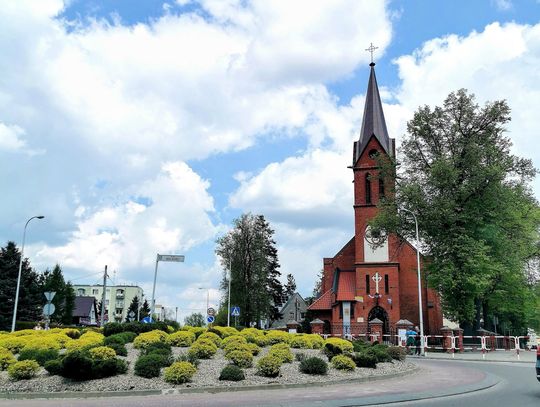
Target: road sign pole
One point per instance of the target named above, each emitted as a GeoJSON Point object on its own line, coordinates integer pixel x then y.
{"type": "Point", "coordinates": [153, 305]}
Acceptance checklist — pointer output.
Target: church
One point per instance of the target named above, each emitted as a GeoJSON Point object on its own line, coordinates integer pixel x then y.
{"type": "Point", "coordinates": [371, 285]}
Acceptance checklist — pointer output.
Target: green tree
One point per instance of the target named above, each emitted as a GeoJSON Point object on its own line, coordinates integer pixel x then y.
{"type": "Point", "coordinates": [478, 218]}
{"type": "Point", "coordinates": [145, 309]}
{"type": "Point", "coordinates": [248, 251]}
{"type": "Point", "coordinates": [195, 319]}
{"type": "Point", "coordinates": [290, 287]}
{"type": "Point", "coordinates": [64, 299]}
{"type": "Point", "coordinates": [133, 307]}
{"type": "Point", "coordinates": [30, 295]}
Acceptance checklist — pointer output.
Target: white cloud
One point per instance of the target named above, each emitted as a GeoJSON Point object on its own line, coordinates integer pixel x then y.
{"type": "Point", "coordinates": [10, 137]}
{"type": "Point", "coordinates": [503, 5]}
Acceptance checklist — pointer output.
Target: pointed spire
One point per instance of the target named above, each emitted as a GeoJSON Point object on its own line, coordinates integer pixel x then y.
{"type": "Point", "coordinates": [373, 123]}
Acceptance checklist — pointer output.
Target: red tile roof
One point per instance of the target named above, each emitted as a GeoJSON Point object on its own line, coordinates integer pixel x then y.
{"type": "Point", "coordinates": [323, 302]}
{"type": "Point", "coordinates": [346, 286]}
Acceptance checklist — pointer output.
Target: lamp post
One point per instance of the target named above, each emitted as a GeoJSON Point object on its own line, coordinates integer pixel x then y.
{"type": "Point", "coordinates": [20, 271]}
{"type": "Point", "coordinates": [419, 283]}
{"type": "Point", "coordinates": [229, 293]}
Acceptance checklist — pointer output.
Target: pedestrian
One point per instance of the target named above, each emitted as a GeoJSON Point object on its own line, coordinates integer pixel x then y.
{"type": "Point", "coordinates": [417, 343]}
{"type": "Point", "coordinates": [410, 339]}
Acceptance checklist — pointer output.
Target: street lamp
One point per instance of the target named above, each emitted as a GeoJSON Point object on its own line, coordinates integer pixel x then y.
{"type": "Point", "coordinates": [20, 270]}
{"type": "Point", "coordinates": [419, 282]}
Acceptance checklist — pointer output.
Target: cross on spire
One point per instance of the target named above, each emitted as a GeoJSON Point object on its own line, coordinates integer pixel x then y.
{"type": "Point", "coordinates": [371, 49]}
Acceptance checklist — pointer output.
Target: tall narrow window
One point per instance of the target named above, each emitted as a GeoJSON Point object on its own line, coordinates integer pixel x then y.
{"type": "Point", "coordinates": [368, 189]}
{"type": "Point", "coordinates": [381, 188]}
{"type": "Point", "coordinates": [367, 284]}
{"type": "Point", "coordinates": [386, 286]}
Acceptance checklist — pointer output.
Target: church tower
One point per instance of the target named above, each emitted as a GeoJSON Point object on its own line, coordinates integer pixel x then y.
{"type": "Point", "coordinates": [370, 286]}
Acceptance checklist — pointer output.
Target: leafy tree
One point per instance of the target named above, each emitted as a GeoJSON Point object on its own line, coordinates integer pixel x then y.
{"type": "Point", "coordinates": [478, 218]}
{"type": "Point", "coordinates": [248, 251]}
{"type": "Point", "coordinates": [30, 295]}
{"type": "Point", "coordinates": [317, 288]}
{"type": "Point", "coordinates": [133, 306]}
{"type": "Point", "coordinates": [64, 299]}
{"type": "Point", "coordinates": [195, 319]}
{"type": "Point", "coordinates": [290, 287]}
{"type": "Point", "coordinates": [145, 309]}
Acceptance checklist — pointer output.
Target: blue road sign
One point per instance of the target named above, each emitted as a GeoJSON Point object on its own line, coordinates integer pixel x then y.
{"type": "Point", "coordinates": [147, 320]}
{"type": "Point", "coordinates": [235, 311]}
{"type": "Point", "coordinates": [210, 319]}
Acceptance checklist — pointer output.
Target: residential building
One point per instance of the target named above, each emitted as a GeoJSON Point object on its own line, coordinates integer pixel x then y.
{"type": "Point", "coordinates": [85, 311]}
{"type": "Point", "coordinates": [293, 310]}
{"type": "Point", "coordinates": [117, 298]}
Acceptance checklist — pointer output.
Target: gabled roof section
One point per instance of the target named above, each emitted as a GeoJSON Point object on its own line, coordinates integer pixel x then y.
{"type": "Point", "coordinates": [83, 305]}
{"type": "Point", "coordinates": [373, 123]}
{"type": "Point", "coordinates": [324, 302]}
{"type": "Point", "coordinates": [346, 286]}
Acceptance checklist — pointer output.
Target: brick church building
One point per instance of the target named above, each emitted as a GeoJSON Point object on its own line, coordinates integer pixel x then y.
{"type": "Point", "coordinates": [372, 288]}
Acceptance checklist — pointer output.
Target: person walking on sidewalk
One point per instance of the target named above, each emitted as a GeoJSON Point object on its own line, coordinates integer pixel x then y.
{"type": "Point", "coordinates": [417, 343]}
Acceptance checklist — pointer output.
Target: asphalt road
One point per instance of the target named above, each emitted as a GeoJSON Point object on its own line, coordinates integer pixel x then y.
{"type": "Point", "coordinates": [517, 387]}
{"type": "Point", "coordinates": [507, 384]}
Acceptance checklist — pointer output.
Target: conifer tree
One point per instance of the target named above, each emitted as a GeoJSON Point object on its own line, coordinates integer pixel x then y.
{"type": "Point", "coordinates": [133, 306]}
{"type": "Point", "coordinates": [64, 299]}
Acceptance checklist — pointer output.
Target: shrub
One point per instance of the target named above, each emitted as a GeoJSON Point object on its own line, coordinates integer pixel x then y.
{"type": "Point", "coordinates": [128, 336]}
{"type": "Point", "coordinates": [300, 357]}
{"type": "Point", "coordinates": [148, 365]}
{"type": "Point", "coordinates": [108, 367]}
{"type": "Point", "coordinates": [6, 358]}
{"type": "Point", "coordinates": [43, 342]}
{"type": "Point", "coordinates": [278, 337]}
{"type": "Point", "coordinates": [157, 346]}
{"type": "Point", "coordinates": [236, 346]}
{"type": "Point", "coordinates": [203, 349]}
{"type": "Point", "coordinates": [211, 336]}
{"type": "Point", "coordinates": [181, 338]}
{"type": "Point", "coordinates": [39, 355]}
{"type": "Point", "coordinates": [254, 349]}
{"type": "Point", "coordinates": [397, 353]}
{"type": "Point", "coordinates": [25, 369]}
{"type": "Point", "coordinates": [119, 348]}
{"type": "Point", "coordinates": [301, 341]}
{"type": "Point", "coordinates": [343, 362]}
{"type": "Point", "coordinates": [54, 366]}
{"type": "Point", "coordinates": [86, 341]}
{"type": "Point", "coordinates": [364, 359]}
{"type": "Point", "coordinates": [112, 328]}
{"type": "Point", "coordinates": [282, 351]}
{"type": "Point", "coordinates": [241, 358]}
{"type": "Point", "coordinates": [224, 332]}
{"type": "Point", "coordinates": [232, 339]}
{"type": "Point", "coordinates": [360, 345]}
{"type": "Point", "coordinates": [269, 366]}
{"type": "Point", "coordinates": [251, 334]}
{"type": "Point", "coordinates": [114, 340]}
{"type": "Point", "coordinates": [77, 365]}
{"type": "Point", "coordinates": [197, 330]}
{"type": "Point", "coordinates": [317, 342]}
{"type": "Point", "coordinates": [12, 343]}
{"type": "Point", "coordinates": [337, 346]}
{"type": "Point", "coordinates": [179, 372]}
{"type": "Point", "coordinates": [232, 373]}
{"type": "Point", "coordinates": [262, 341]}
{"type": "Point", "coordinates": [72, 333]}
{"type": "Point", "coordinates": [314, 365]}
{"type": "Point", "coordinates": [102, 353]}
{"type": "Point", "coordinates": [381, 354]}
{"type": "Point", "coordinates": [186, 357]}
{"type": "Point", "coordinates": [146, 338]}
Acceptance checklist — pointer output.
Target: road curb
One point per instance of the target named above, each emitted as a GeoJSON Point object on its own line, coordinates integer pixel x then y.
{"type": "Point", "coordinates": [210, 390]}
{"type": "Point", "coordinates": [472, 360]}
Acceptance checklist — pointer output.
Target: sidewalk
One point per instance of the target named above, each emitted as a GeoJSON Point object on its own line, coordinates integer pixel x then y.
{"type": "Point", "coordinates": [525, 356]}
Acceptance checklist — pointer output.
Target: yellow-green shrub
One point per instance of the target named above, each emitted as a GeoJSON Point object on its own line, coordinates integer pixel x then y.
{"type": "Point", "coordinates": [72, 333]}
{"type": "Point", "coordinates": [278, 337]}
{"type": "Point", "coordinates": [203, 349]}
{"type": "Point", "coordinates": [179, 372]}
{"type": "Point", "coordinates": [282, 351]}
{"type": "Point", "coordinates": [251, 334]}
{"type": "Point", "coordinates": [225, 331]}
{"type": "Point", "coordinates": [254, 349]}
{"type": "Point", "coordinates": [86, 341]}
{"type": "Point", "coordinates": [343, 362]}
{"type": "Point", "coordinates": [197, 330]}
{"type": "Point", "coordinates": [262, 341]}
{"type": "Point", "coordinates": [240, 358]}
{"type": "Point", "coordinates": [317, 342]}
{"type": "Point", "coordinates": [6, 358]}
{"type": "Point", "coordinates": [269, 365]}
{"type": "Point", "coordinates": [102, 353]}
{"type": "Point", "coordinates": [236, 346]}
{"type": "Point", "coordinates": [181, 338]}
{"type": "Point", "coordinates": [146, 338]}
{"type": "Point", "coordinates": [344, 345]}
{"type": "Point", "coordinates": [25, 332]}
{"type": "Point", "coordinates": [13, 343]}
{"type": "Point", "coordinates": [211, 336]}
{"type": "Point", "coordinates": [231, 339]}
{"type": "Point", "coordinates": [41, 342]}
{"type": "Point", "coordinates": [301, 342]}
{"type": "Point", "coordinates": [25, 369]}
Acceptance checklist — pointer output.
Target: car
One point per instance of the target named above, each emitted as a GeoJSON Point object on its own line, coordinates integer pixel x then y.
{"type": "Point", "coordinates": [538, 363]}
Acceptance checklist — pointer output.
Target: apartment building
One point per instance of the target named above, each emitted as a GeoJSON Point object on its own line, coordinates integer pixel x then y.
{"type": "Point", "coordinates": [117, 298]}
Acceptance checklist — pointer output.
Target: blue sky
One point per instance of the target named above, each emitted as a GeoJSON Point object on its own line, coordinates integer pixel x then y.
{"type": "Point", "coordinates": [139, 127]}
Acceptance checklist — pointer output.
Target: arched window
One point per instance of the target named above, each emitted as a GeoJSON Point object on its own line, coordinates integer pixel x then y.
{"type": "Point", "coordinates": [381, 188]}
{"type": "Point", "coordinates": [368, 189]}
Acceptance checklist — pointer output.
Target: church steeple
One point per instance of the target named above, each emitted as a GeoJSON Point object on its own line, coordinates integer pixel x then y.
{"type": "Point", "coordinates": [373, 123]}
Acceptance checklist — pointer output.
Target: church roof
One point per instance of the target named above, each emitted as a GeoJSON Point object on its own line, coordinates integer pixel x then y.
{"type": "Point", "coordinates": [323, 302]}
{"type": "Point", "coordinates": [346, 286]}
{"type": "Point", "coordinates": [373, 123]}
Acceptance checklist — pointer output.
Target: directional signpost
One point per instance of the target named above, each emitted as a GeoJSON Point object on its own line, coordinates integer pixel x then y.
{"type": "Point", "coordinates": [178, 258]}
{"type": "Point", "coordinates": [49, 308]}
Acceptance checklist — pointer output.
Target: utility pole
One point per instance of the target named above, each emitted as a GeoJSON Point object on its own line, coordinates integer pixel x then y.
{"type": "Point", "coordinates": [103, 296]}
{"type": "Point", "coordinates": [229, 293]}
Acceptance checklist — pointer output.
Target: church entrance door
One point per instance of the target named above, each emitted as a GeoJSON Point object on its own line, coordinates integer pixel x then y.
{"type": "Point", "coordinates": [380, 313]}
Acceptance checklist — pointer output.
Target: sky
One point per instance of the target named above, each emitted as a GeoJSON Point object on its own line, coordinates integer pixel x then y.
{"type": "Point", "coordinates": [145, 127]}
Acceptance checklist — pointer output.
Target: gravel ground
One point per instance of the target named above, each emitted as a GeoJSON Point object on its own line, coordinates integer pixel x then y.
{"type": "Point", "coordinates": [206, 376]}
